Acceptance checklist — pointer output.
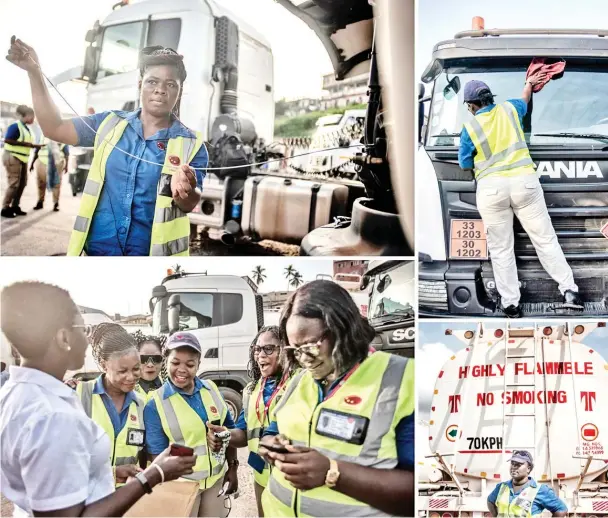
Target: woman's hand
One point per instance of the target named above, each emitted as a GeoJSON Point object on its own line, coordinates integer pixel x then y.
{"type": "Point", "coordinates": [232, 478]}
{"type": "Point", "coordinates": [302, 467]}
{"type": "Point", "coordinates": [183, 182]}
{"type": "Point", "coordinates": [278, 441]}
{"type": "Point", "coordinates": [174, 467]}
{"type": "Point", "coordinates": [214, 443]}
{"type": "Point", "coordinates": [22, 55]}
{"type": "Point", "coordinates": [126, 471]}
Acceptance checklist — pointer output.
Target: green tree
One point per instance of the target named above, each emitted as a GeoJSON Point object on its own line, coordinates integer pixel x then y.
{"type": "Point", "coordinates": [289, 271]}
{"type": "Point", "coordinates": [258, 275]}
{"type": "Point", "coordinates": [296, 280]}
{"type": "Point", "coordinates": [178, 269]}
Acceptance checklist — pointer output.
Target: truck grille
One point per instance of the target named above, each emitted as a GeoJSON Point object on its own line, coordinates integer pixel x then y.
{"type": "Point", "coordinates": [433, 295]}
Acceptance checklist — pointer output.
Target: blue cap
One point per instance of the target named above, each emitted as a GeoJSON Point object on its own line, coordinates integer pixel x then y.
{"type": "Point", "coordinates": [522, 456]}
{"type": "Point", "coordinates": [472, 90]}
{"type": "Point", "coordinates": [183, 339]}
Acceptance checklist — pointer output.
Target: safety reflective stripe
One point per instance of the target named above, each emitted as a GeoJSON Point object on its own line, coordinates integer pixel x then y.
{"type": "Point", "coordinates": [108, 125]}
{"type": "Point", "coordinates": [218, 401]}
{"type": "Point", "coordinates": [518, 131]}
{"type": "Point", "coordinates": [281, 493]}
{"type": "Point", "coordinates": [481, 137]}
{"type": "Point", "coordinates": [165, 214]}
{"type": "Point", "coordinates": [520, 163]}
{"type": "Point", "coordinates": [289, 391]}
{"type": "Point", "coordinates": [172, 247]}
{"type": "Point", "coordinates": [254, 434]}
{"type": "Point", "coordinates": [86, 398]}
{"type": "Point", "coordinates": [372, 462]}
{"type": "Point", "coordinates": [81, 224]}
{"type": "Point", "coordinates": [21, 153]}
{"type": "Point", "coordinates": [91, 187]}
{"type": "Point", "coordinates": [314, 507]}
{"type": "Point", "coordinates": [497, 157]}
{"type": "Point", "coordinates": [385, 406]}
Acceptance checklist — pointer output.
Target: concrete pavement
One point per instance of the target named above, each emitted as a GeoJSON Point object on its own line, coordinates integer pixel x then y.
{"type": "Point", "coordinates": [41, 232]}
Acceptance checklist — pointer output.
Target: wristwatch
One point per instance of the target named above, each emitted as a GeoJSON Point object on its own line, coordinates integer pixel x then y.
{"type": "Point", "coordinates": [233, 462]}
{"type": "Point", "coordinates": [144, 482]}
{"type": "Point", "coordinates": [331, 479]}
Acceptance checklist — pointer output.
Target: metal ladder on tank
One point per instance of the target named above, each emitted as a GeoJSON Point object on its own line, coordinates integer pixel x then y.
{"type": "Point", "coordinates": [450, 468]}
{"type": "Point", "coordinates": [511, 447]}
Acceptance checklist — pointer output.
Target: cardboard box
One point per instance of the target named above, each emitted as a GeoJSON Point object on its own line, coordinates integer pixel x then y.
{"type": "Point", "coordinates": [175, 498]}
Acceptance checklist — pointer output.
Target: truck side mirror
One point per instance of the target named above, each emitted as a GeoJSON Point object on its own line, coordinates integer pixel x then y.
{"type": "Point", "coordinates": [420, 91]}
{"type": "Point", "coordinates": [174, 309]}
{"type": "Point", "coordinates": [364, 282]}
{"type": "Point", "coordinates": [89, 70]}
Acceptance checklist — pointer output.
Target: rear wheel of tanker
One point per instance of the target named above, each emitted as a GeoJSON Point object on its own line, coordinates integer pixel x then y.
{"type": "Point", "coordinates": [233, 400]}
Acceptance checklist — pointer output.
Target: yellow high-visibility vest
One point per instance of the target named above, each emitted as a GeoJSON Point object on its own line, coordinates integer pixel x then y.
{"type": "Point", "coordinates": [122, 453]}
{"type": "Point", "coordinates": [182, 425]}
{"type": "Point", "coordinates": [255, 427]}
{"type": "Point", "coordinates": [21, 153]}
{"type": "Point", "coordinates": [500, 144]}
{"type": "Point", "coordinates": [43, 154]}
{"type": "Point", "coordinates": [521, 506]}
{"type": "Point", "coordinates": [171, 226]}
{"type": "Point", "coordinates": [381, 390]}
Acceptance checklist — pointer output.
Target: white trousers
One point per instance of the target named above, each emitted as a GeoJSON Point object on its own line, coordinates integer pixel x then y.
{"type": "Point", "coordinates": [498, 199]}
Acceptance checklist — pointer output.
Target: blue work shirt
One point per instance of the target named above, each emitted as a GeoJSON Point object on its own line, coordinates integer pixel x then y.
{"type": "Point", "coordinates": [466, 151]}
{"type": "Point", "coordinates": [241, 423]}
{"type": "Point", "coordinates": [156, 439]}
{"type": "Point", "coordinates": [545, 498]}
{"type": "Point", "coordinates": [404, 432]}
{"type": "Point", "coordinates": [119, 419]}
{"type": "Point", "coordinates": [12, 132]}
{"type": "Point", "coordinates": [125, 210]}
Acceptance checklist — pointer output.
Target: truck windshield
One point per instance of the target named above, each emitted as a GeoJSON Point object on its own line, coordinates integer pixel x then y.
{"type": "Point", "coordinates": [575, 103]}
{"type": "Point", "coordinates": [120, 48]}
{"type": "Point", "coordinates": [393, 293]}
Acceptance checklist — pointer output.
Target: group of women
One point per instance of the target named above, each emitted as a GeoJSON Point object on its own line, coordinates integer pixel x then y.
{"type": "Point", "coordinates": [327, 420]}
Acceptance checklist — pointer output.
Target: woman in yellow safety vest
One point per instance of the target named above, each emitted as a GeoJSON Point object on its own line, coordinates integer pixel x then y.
{"type": "Point", "coordinates": [111, 400]}
{"type": "Point", "coordinates": [151, 358]}
{"type": "Point", "coordinates": [18, 142]}
{"type": "Point", "coordinates": [49, 171]}
{"type": "Point", "coordinates": [142, 208]}
{"type": "Point", "coordinates": [271, 369]}
{"type": "Point", "coordinates": [177, 413]}
{"type": "Point", "coordinates": [346, 422]}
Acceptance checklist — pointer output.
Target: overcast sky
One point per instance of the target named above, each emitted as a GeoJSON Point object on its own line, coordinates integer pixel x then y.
{"type": "Point", "coordinates": [56, 29]}
{"type": "Point", "coordinates": [124, 285]}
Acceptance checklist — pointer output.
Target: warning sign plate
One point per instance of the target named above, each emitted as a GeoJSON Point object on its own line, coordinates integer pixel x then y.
{"type": "Point", "coordinates": [589, 432]}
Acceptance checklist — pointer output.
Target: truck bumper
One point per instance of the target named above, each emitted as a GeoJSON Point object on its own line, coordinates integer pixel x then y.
{"type": "Point", "coordinates": [449, 288]}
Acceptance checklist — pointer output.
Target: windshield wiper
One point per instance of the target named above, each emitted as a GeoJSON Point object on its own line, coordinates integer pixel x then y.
{"type": "Point", "coordinates": [448, 135]}
{"type": "Point", "coordinates": [593, 136]}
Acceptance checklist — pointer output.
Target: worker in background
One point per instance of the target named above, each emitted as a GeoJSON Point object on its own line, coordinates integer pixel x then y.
{"type": "Point", "coordinates": [178, 412]}
{"type": "Point", "coordinates": [111, 400]}
{"type": "Point", "coordinates": [346, 454]}
{"type": "Point", "coordinates": [522, 495]}
{"type": "Point", "coordinates": [271, 369]}
{"type": "Point", "coordinates": [54, 460]}
{"type": "Point", "coordinates": [142, 207]}
{"type": "Point", "coordinates": [493, 145]}
{"type": "Point", "coordinates": [18, 142]}
{"type": "Point", "coordinates": [151, 358]}
{"type": "Point", "coordinates": [50, 163]}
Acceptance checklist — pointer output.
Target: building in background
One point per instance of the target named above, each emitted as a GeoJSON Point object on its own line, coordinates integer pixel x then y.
{"type": "Point", "coordinates": [350, 267]}
{"type": "Point", "coordinates": [352, 90]}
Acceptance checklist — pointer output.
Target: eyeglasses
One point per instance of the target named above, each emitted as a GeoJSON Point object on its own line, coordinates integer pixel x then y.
{"type": "Point", "coordinates": [154, 359]}
{"type": "Point", "coordinates": [86, 329]}
{"type": "Point", "coordinates": [312, 350]}
{"type": "Point", "coordinates": [267, 349]}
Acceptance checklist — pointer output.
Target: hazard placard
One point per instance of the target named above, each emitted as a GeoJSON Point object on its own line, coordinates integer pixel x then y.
{"type": "Point", "coordinates": [604, 230]}
{"type": "Point", "coordinates": [589, 432]}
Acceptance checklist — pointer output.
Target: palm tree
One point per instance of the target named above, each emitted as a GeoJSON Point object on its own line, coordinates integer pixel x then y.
{"type": "Point", "coordinates": [289, 274]}
{"type": "Point", "coordinates": [178, 269]}
{"type": "Point", "coordinates": [258, 275]}
{"type": "Point", "coordinates": [296, 279]}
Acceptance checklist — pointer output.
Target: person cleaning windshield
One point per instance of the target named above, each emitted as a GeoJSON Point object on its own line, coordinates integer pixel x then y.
{"type": "Point", "coordinates": [492, 144]}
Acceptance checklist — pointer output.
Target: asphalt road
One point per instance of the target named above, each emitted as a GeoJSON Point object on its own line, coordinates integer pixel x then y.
{"type": "Point", "coordinates": [45, 233]}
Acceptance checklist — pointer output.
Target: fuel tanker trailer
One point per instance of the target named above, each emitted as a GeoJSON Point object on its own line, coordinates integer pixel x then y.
{"type": "Point", "coordinates": [538, 388]}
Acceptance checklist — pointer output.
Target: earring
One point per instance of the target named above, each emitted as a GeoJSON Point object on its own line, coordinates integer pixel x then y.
{"type": "Point", "coordinates": [68, 348]}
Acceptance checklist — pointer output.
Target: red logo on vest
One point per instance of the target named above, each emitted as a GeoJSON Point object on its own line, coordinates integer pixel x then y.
{"type": "Point", "coordinates": [213, 409]}
{"type": "Point", "coordinates": [133, 418]}
{"type": "Point", "coordinates": [160, 145]}
{"type": "Point", "coordinates": [352, 400]}
{"type": "Point", "coordinates": [174, 160]}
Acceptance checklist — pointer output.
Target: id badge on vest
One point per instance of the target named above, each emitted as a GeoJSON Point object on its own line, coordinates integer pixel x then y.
{"type": "Point", "coordinates": [345, 427]}
{"type": "Point", "coordinates": [523, 502]}
{"type": "Point", "coordinates": [136, 437]}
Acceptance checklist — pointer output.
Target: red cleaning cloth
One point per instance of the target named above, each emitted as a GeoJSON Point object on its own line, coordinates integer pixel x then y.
{"type": "Point", "coordinates": [538, 65]}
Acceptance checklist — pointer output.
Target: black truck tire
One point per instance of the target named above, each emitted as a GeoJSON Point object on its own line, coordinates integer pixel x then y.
{"type": "Point", "coordinates": [234, 401]}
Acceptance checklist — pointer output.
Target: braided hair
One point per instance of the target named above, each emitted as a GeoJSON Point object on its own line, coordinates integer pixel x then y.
{"type": "Point", "coordinates": [287, 361]}
{"type": "Point", "coordinates": [108, 340]}
{"type": "Point", "coordinates": [157, 55]}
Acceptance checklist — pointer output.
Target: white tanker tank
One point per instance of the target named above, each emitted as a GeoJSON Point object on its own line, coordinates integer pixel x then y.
{"type": "Point", "coordinates": [537, 388]}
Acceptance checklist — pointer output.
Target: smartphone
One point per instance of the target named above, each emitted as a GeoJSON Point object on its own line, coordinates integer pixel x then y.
{"type": "Point", "coordinates": [179, 450]}
{"type": "Point", "coordinates": [275, 449]}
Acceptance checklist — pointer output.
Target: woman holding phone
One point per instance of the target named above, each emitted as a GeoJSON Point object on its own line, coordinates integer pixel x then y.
{"type": "Point", "coordinates": [346, 423]}
{"type": "Point", "coordinates": [178, 412]}
{"type": "Point", "coordinates": [270, 369]}
{"type": "Point", "coordinates": [111, 400]}
{"type": "Point", "coordinates": [55, 461]}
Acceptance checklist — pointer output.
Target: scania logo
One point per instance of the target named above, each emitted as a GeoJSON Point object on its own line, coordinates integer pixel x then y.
{"type": "Point", "coordinates": [570, 169]}
{"type": "Point", "coordinates": [401, 335]}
